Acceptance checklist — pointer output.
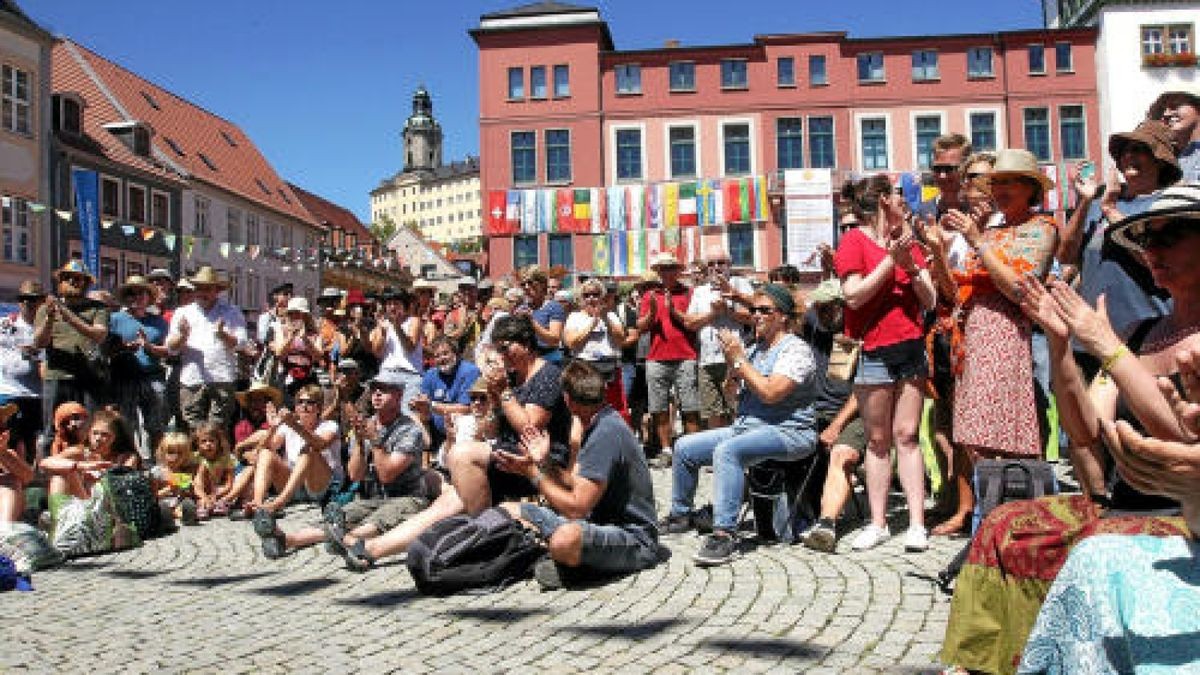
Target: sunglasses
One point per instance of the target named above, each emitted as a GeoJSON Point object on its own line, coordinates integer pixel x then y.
{"type": "Point", "coordinates": [719, 263]}
{"type": "Point", "coordinates": [592, 295]}
{"type": "Point", "coordinates": [73, 279]}
{"type": "Point", "coordinates": [1170, 233]}
{"type": "Point", "coordinates": [944, 168]}
{"type": "Point", "coordinates": [762, 309]}
{"type": "Point", "coordinates": [479, 398]}
{"type": "Point", "coordinates": [972, 175]}
{"type": "Point", "coordinates": [307, 401]}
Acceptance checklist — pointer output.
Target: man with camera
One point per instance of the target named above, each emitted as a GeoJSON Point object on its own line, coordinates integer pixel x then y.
{"type": "Point", "coordinates": [720, 302]}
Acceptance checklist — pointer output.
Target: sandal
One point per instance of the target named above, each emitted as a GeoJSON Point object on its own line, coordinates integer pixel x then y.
{"type": "Point", "coordinates": [203, 513]}
{"type": "Point", "coordinates": [356, 556]}
{"type": "Point", "coordinates": [220, 509]}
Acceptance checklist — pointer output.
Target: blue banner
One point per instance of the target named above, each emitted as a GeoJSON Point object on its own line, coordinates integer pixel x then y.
{"type": "Point", "coordinates": [87, 205]}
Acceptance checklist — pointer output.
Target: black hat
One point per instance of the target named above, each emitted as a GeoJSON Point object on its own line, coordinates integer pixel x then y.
{"type": "Point", "coordinates": [286, 287]}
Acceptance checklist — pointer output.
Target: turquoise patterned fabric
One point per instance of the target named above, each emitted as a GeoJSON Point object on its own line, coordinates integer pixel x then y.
{"type": "Point", "coordinates": [1121, 604]}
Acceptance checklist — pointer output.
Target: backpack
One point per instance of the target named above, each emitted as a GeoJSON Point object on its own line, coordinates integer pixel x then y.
{"type": "Point", "coordinates": [134, 499]}
{"type": "Point", "coordinates": [463, 552]}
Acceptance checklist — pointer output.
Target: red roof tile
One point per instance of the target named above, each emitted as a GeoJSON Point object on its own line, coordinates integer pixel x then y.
{"type": "Point", "coordinates": [330, 214]}
{"type": "Point", "coordinates": [208, 147]}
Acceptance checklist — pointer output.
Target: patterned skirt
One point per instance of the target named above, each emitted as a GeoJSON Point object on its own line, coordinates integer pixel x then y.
{"type": "Point", "coordinates": [1013, 559]}
{"type": "Point", "coordinates": [994, 404]}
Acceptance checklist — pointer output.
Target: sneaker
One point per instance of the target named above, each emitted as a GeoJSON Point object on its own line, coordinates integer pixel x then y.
{"type": "Point", "coordinates": [702, 519]}
{"type": "Point", "coordinates": [188, 512]}
{"type": "Point", "coordinates": [821, 537]}
{"type": "Point", "coordinates": [273, 543]}
{"type": "Point", "coordinates": [335, 516]}
{"type": "Point", "coordinates": [871, 536]}
{"type": "Point", "coordinates": [548, 574]}
{"type": "Point", "coordinates": [662, 461]}
{"type": "Point", "coordinates": [264, 523]}
{"type": "Point", "coordinates": [916, 540]}
{"type": "Point", "coordinates": [274, 547]}
{"type": "Point", "coordinates": [718, 548]}
{"type": "Point", "coordinates": [676, 524]}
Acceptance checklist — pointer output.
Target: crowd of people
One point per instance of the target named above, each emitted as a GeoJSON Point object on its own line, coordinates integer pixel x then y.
{"type": "Point", "coordinates": [399, 409]}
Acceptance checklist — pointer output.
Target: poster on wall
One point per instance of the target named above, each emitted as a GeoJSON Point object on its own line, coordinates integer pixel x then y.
{"type": "Point", "coordinates": [808, 201]}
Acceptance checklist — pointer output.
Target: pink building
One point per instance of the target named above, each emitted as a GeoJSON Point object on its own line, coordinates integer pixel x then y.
{"type": "Point", "coordinates": [561, 108]}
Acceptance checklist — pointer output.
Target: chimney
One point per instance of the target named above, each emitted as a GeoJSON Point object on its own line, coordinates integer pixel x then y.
{"type": "Point", "coordinates": [671, 44]}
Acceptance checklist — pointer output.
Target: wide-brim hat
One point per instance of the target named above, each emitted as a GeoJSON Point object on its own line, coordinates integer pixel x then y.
{"type": "Point", "coordinates": [185, 285]}
{"type": "Point", "coordinates": [1156, 109]}
{"type": "Point", "coordinates": [535, 273]}
{"type": "Point", "coordinates": [389, 378]}
{"type": "Point", "coordinates": [486, 285]}
{"type": "Point", "coordinates": [134, 283]}
{"type": "Point", "coordinates": [31, 288]}
{"type": "Point", "coordinates": [423, 285]}
{"type": "Point", "coordinates": [480, 386]}
{"type": "Point", "coordinates": [649, 278]}
{"type": "Point", "coordinates": [1179, 201]}
{"type": "Point", "coordinates": [1017, 162]}
{"type": "Point", "coordinates": [75, 267]}
{"type": "Point", "coordinates": [826, 292]}
{"type": "Point", "coordinates": [259, 388]}
{"type": "Point", "coordinates": [664, 259]}
{"type": "Point", "coordinates": [1156, 136]}
{"type": "Point", "coordinates": [207, 276]}
{"type": "Point", "coordinates": [467, 282]}
{"type": "Point", "coordinates": [330, 294]}
{"type": "Point", "coordinates": [159, 273]}
{"type": "Point", "coordinates": [298, 305]}
{"type": "Point", "coordinates": [354, 297]}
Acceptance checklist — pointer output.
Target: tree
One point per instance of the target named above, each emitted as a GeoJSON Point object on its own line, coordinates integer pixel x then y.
{"type": "Point", "coordinates": [384, 229]}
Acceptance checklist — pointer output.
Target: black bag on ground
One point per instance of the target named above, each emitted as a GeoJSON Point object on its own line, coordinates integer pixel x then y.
{"type": "Point", "coordinates": [464, 552]}
{"type": "Point", "coordinates": [1000, 481]}
{"type": "Point", "coordinates": [133, 496]}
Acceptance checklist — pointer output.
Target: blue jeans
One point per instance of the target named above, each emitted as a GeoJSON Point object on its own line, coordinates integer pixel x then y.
{"type": "Point", "coordinates": [628, 372]}
{"type": "Point", "coordinates": [730, 450]}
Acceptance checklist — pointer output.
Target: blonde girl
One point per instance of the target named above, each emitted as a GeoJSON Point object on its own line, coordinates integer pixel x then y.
{"type": "Point", "coordinates": [214, 471]}
{"type": "Point", "coordinates": [174, 476]}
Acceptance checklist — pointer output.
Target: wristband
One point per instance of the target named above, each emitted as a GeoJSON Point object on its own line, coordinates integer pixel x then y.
{"type": "Point", "coordinates": [1112, 359]}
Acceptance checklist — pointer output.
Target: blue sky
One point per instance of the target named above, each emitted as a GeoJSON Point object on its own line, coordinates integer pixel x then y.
{"type": "Point", "coordinates": [323, 88]}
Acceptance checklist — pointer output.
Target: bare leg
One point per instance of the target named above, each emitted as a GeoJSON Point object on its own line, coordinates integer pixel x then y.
{"type": "Point", "coordinates": [397, 540]}
{"type": "Point", "coordinates": [271, 471]}
{"type": "Point", "coordinates": [909, 462]}
{"type": "Point", "coordinates": [241, 483]}
{"type": "Point", "coordinates": [963, 469]}
{"type": "Point", "coordinates": [468, 473]}
{"type": "Point", "coordinates": [69, 484]}
{"type": "Point", "coordinates": [875, 407]}
{"type": "Point", "coordinates": [311, 471]}
{"type": "Point", "coordinates": [691, 422]}
{"type": "Point", "coordinates": [836, 491]}
{"type": "Point", "coordinates": [12, 503]}
{"type": "Point", "coordinates": [304, 537]}
{"type": "Point", "coordinates": [662, 426]}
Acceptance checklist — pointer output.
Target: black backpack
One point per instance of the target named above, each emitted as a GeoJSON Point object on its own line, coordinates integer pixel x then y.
{"type": "Point", "coordinates": [133, 495]}
{"type": "Point", "coordinates": [463, 552]}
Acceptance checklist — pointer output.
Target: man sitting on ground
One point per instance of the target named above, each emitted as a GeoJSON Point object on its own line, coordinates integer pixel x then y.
{"type": "Point", "coordinates": [600, 516]}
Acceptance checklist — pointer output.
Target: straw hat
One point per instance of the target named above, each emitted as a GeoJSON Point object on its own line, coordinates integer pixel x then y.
{"type": "Point", "coordinates": [159, 273]}
{"type": "Point", "coordinates": [466, 282]}
{"type": "Point", "coordinates": [1178, 202]}
{"type": "Point", "coordinates": [1160, 104]}
{"type": "Point", "coordinates": [480, 386]}
{"type": "Point", "coordinates": [31, 288]}
{"type": "Point", "coordinates": [77, 268]}
{"type": "Point", "coordinates": [664, 259]}
{"type": "Point", "coordinates": [1015, 162]}
{"type": "Point", "coordinates": [135, 283]}
{"type": "Point", "coordinates": [648, 278]}
{"type": "Point", "coordinates": [423, 284]}
{"type": "Point", "coordinates": [827, 291]}
{"type": "Point", "coordinates": [185, 285]}
{"type": "Point", "coordinates": [207, 276]}
{"type": "Point", "coordinates": [299, 304]}
{"type": "Point", "coordinates": [1157, 137]}
{"type": "Point", "coordinates": [259, 388]}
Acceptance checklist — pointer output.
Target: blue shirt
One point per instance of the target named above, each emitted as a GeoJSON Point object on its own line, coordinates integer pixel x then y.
{"type": "Point", "coordinates": [550, 311]}
{"type": "Point", "coordinates": [126, 326]}
{"type": "Point", "coordinates": [457, 390]}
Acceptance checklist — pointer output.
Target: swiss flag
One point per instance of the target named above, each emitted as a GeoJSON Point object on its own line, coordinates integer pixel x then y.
{"type": "Point", "coordinates": [566, 210]}
{"type": "Point", "coordinates": [495, 212]}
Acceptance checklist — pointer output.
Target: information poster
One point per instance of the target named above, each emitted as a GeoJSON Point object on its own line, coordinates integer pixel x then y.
{"type": "Point", "coordinates": [808, 195]}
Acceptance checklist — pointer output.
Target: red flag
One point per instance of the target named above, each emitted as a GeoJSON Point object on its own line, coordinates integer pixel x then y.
{"type": "Point", "coordinates": [565, 214]}
{"type": "Point", "coordinates": [733, 200]}
{"type": "Point", "coordinates": [495, 212]}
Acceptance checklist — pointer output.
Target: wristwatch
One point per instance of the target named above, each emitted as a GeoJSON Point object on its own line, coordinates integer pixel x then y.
{"type": "Point", "coordinates": [506, 396]}
{"type": "Point", "coordinates": [737, 364]}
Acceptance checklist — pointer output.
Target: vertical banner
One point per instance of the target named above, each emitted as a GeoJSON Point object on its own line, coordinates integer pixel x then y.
{"type": "Point", "coordinates": [565, 200]}
{"type": "Point", "coordinates": [547, 210]}
{"type": "Point", "coordinates": [672, 241]}
{"type": "Point", "coordinates": [87, 204]}
{"type": "Point", "coordinates": [496, 205]}
{"type": "Point", "coordinates": [808, 195]}
{"type": "Point", "coordinates": [529, 222]}
{"type": "Point", "coordinates": [1050, 200]}
{"type": "Point", "coordinates": [654, 207]}
{"type": "Point", "coordinates": [618, 253]}
{"type": "Point", "coordinates": [512, 213]}
{"type": "Point", "coordinates": [762, 202]}
{"type": "Point", "coordinates": [718, 203]}
{"type": "Point", "coordinates": [583, 210]}
{"type": "Point", "coordinates": [599, 210]}
{"type": "Point", "coordinates": [687, 205]}
{"type": "Point", "coordinates": [616, 208]}
{"type": "Point", "coordinates": [691, 244]}
{"type": "Point", "coordinates": [670, 207]}
{"type": "Point", "coordinates": [601, 255]}
{"type": "Point", "coordinates": [635, 209]}
{"type": "Point", "coordinates": [637, 251]}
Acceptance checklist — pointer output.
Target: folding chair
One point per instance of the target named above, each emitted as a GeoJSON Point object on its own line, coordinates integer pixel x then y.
{"type": "Point", "coordinates": [798, 482]}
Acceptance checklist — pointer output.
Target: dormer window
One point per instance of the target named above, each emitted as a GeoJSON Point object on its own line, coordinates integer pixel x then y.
{"type": "Point", "coordinates": [68, 113]}
{"type": "Point", "coordinates": [135, 135]}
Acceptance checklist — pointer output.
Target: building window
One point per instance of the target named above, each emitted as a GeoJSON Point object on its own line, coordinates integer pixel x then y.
{"type": "Point", "coordinates": [874, 143]}
{"type": "Point", "coordinates": [558, 156]}
{"type": "Point", "coordinates": [233, 223]}
{"type": "Point", "coordinates": [682, 75]}
{"type": "Point", "coordinates": [816, 70]}
{"type": "Point", "coordinates": [1062, 57]}
{"type": "Point", "coordinates": [789, 142]}
{"type": "Point", "coordinates": [928, 128]}
{"type": "Point", "coordinates": [629, 154]}
{"type": "Point", "coordinates": [741, 244]}
{"type": "Point", "coordinates": [737, 148]}
{"type": "Point", "coordinates": [137, 204]}
{"type": "Point", "coordinates": [870, 67]}
{"type": "Point", "coordinates": [134, 269]}
{"type": "Point", "coordinates": [924, 65]}
{"type": "Point", "coordinates": [200, 226]}
{"type": "Point", "coordinates": [559, 248]}
{"type": "Point", "coordinates": [14, 222]}
{"type": "Point", "coordinates": [70, 116]}
{"type": "Point", "coordinates": [110, 197]}
{"type": "Point", "coordinates": [525, 251]}
{"type": "Point", "coordinates": [251, 228]}
{"type": "Point", "coordinates": [108, 272]}
{"type": "Point", "coordinates": [629, 78]}
{"type": "Point", "coordinates": [785, 71]}
{"type": "Point", "coordinates": [821, 151]}
{"type": "Point", "coordinates": [1180, 39]}
{"type": "Point", "coordinates": [562, 81]}
{"type": "Point", "coordinates": [160, 210]}
{"type": "Point", "coordinates": [1037, 133]}
{"type": "Point", "coordinates": [537, 82]}
{"type": "Point", "coordinates": [983, 130]}
{"type": "Point", "coordinates": [1174, 39]}
{"type": "Point", "coordinates": [734, 74]}
{"type": "Point", "coordinates": [14, 99]}
{"type": "Point", "coordinates": [516, 83]}
{"type": "Point", "coordinates": [979, 62]}
{"type": "Point", "coordinates": [524, 157]}
{"type": "Point", "coordinates": [1037, 59]}
{"type": "Point", "coordinates": [683, 152]}
{"type": "Point", "coordinates": [1071, 132]}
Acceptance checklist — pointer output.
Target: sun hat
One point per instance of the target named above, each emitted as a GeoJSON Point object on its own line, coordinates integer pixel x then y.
{"type": "Point", "coordinates": [498, 303]}
{"type": "Point", "coordinates": [330, 293]}
{"type": "Point", "coordinates": [159, 273]}
{"type": "Point", "coordinates": [207, 276]}
{"type": "Point", "coordinates": [135, 283]}
{"type": "Point", "coordinates": [31, 288]}
{"type": "Point", "coordinates": [299, 304]}
{"type": "Point", "coordinates": [354, 297]}
{"type": "Point", "coordinates": [466, 281]}
{"type": "Point", "coordinates": [664, 259]}
{"type": "Point", "coordinates": [348, 364]}
{"type": "Point", "coordinates": [480, 386]}
{"type": "Point", "coordinates": [1156, 109]}
{"type": "Point", "coordinates": [826, 292]}
{"type": "Point", "coordinates": [258, 387]}
{"type": "Point", "coordinates": [534, 273]}
{"type": "Point", "coordinates": [77, 268]}
{"type": "Point", "coordinates": [1016, 162]}
{"type": "Point", "coordinates": [486, 285]}
{"type": "Point", "coordinates": [423, 284]}
{"type": "Point", "coordinates": [1179, 201]}
{"type": "Point", "coordinates": [185, 285]}
{"type": "Point", "coordinates": [388, 378]}
{"type": "Point", "coordinates": [1157, 137]}
{"type": "Point", "coordinates": [286, 287]}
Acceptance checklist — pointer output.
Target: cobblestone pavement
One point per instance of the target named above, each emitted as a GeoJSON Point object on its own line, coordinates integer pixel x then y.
{"type": "Point", "coordinates": [205, 600]}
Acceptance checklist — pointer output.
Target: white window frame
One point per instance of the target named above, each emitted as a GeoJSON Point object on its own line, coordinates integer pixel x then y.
{"type": "Point", "coordinates": [912, 125]}
{"type": "Point", "coordinates": [18, 210]}
{"type": "Point", "coordinates": [694, 125]}
{"type": "Point", "coordinates": [991, 72]}
{"type": "Point", "coordinates": [858, 139]}
{"type": "Point", "coordinates": [722, 122]}
{"type": "Point", "coordinates": [997, 115]}
{"type": "Point", "coordinates": [9, 99]}
{"type": "Point", "coordinates": [612, 141]}
{"type": "Point", "coordinates": [617, 79]}
{"type": "Point", "coordinates": [201, 205]}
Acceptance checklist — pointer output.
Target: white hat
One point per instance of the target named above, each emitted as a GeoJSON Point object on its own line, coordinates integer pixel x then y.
{"type": "Point", "coordinates": [298, 304]}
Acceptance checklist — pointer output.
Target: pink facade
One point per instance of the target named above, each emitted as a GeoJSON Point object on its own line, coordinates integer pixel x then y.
{"type": "Point", "coordinates": [978, 85]}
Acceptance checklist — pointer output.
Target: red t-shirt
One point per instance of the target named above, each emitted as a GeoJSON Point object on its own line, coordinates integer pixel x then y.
{"type": "Point", "coordinates": [669, 341]}
{"type": "Point", "coordinates": [893, 314]}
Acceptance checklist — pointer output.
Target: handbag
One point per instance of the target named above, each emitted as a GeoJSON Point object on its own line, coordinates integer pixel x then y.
{"type": "Point", "coordinates": [1001, 481]}
{"type": "Point", "coordinates": [133, 496]}
{"type": "Point", "coordinates": [843, 358]}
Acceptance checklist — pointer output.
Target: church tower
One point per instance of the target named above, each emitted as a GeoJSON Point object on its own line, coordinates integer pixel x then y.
{"type": "Point", "coordinates": [422, 135]}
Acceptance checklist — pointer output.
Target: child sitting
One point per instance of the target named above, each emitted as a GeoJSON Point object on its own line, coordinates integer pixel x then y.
{"type": "Point", "coordinates": [173, 477]}
{"type": "Point", "coordinates": [214, 474]}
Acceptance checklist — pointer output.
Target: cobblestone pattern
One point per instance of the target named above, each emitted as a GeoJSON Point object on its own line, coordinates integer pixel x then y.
{"type": "Point", "coordinates": [205, 600]}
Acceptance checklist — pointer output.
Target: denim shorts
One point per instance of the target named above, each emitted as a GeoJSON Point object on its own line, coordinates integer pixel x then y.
{"type": "Point", "coordinates": [608, 548]}
{"type": "Point", "coordinates": [893, 363]}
